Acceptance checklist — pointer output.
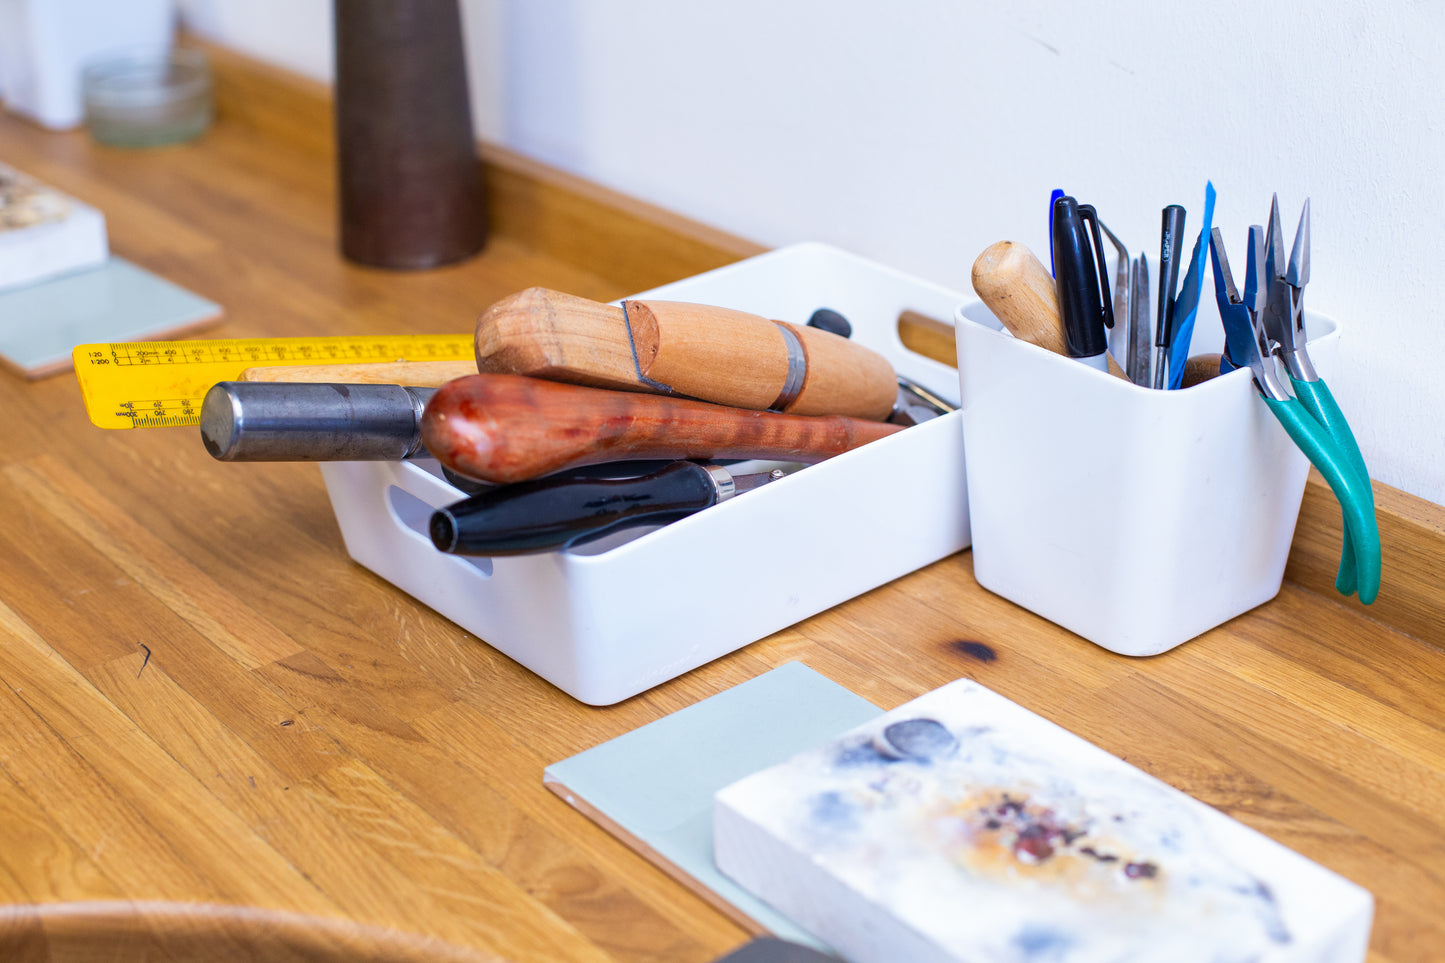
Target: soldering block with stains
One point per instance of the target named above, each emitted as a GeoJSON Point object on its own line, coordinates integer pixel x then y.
{"type": "Point", "coordinates": [962, 827]}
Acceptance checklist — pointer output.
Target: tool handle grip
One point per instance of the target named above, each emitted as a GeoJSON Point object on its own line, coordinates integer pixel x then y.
{"type": "Point", "coordinates": [553, 513]}
{"type": "Point", "coordinates": [1320, 402]}
{"type": "Point", "coordinates": [1356, 503]}
{"type": "Point", "coordinates": [507, 428]}
{"type": "Point", "coordinates": [1019, 291]}
{"type": "Point", "coordinates": [1171, 249]}
{"type": "Point", "coordinates": [700, 351]}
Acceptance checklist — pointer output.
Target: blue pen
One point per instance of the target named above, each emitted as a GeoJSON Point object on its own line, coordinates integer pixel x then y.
{"type": "Point", "coordinates": [1187, 304]}
{"type": "Point", "coordinates": [1080, 281]}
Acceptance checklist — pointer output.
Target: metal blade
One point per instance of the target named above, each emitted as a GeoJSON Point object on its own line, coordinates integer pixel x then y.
{"type": "Point", "coordinates": [1298, 274]}
{"type": "Point", "coordinates": [1275, 313]}
{"type": "Point", "coordinates": [1223, 280]}
{"type": "Point", "coordinates": [1141, 334]}
{"type": "Point", "coordinates": [1256, 286]}
{"type": "Point", "coordinates": [1238, 333]}
{"type": "Point", "coordinates": [1274, 243]}
{"type": "Point", "coordinates": [915, 404]}
{"type": "Point", "coordinates": [746, 483]}
{"type": "Point", "coordinates": [1121, 273]}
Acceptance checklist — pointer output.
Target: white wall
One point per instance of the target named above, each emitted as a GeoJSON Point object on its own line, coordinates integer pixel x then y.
{"type": "Point", "coordinates": [918, 132]}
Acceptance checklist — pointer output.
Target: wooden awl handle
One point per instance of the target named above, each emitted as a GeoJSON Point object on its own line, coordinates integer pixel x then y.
{"type": "Point", "coordinates": [509, 428]}
{"type": "Point", "coordinates": [692, 350]}
{"type": "Point", "coordinates": [1020, 292]}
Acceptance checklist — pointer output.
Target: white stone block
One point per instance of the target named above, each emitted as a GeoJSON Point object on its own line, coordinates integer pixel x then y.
{"type": "Point", "coordinates": [44, 233]}
{"type": "Point", "coordinates": [962, 827]}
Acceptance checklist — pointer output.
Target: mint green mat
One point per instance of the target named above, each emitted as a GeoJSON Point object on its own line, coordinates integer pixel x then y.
{"type": "Point", "coordinates": [657, 782]}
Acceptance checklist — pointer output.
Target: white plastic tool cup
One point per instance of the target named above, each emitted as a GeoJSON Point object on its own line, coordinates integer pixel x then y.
{"type": "Point", "coordinates": [1135, 518]}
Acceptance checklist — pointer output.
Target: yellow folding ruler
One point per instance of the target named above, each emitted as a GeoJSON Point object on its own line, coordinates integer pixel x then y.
{"type": "Point", "coordinates": [154, 384]}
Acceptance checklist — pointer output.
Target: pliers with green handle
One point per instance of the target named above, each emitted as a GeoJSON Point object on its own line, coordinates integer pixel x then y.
{"type": "Point", "coordinates": [1312, 418]}
{"type": "Point", "coordinates": [1284, 323]}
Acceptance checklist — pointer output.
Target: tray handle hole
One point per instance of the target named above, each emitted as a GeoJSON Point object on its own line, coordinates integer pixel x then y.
{"type": "Point", "coordinates": [927, 336]}
{"type": "Point", "coordinates": [414, 515]}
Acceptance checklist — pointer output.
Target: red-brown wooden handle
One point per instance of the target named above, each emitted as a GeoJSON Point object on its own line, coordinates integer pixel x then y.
{"type": "Point", "coordinates": [509, 428]}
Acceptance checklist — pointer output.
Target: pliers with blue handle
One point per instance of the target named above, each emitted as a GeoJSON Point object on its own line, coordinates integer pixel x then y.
{"type": "Point", "coordinates": [1306, 418]}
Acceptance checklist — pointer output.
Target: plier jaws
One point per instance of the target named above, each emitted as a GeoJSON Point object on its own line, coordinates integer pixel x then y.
{"type": "Point", "coordinates": [1246, 343]}
{"type": "Point", "coordinates": [1284, 307]}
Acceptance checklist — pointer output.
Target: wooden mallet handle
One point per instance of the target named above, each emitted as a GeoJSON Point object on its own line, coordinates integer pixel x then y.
{"type": "Point", "coordinates": [509, 428]}
{"type": "Point", "coordinates": [676, 348]}
{"type": "Point", "coordinates": [1020, 292]}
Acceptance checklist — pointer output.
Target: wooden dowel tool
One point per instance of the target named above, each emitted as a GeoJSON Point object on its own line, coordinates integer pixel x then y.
{"type": "Point", "coordinates": [691, 350]}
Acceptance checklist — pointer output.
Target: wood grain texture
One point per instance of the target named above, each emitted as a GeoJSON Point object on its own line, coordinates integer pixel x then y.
{"type": "Point", "coordinates": [701, 351]}
{"type": "Point", "coordinates": [558, 336]}
{"type": "Point", "coordinates": [204, 701]}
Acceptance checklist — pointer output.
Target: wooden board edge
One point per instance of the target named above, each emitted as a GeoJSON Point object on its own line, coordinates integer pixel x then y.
{"type": "Point", "coordinates": [624, 240]}
{"type": "Point", "coordinates": [634, 244]}
{"type": "Point", "coordinates": [639, 846]}
{"type": "Point", "coordinates": [1412, 550]}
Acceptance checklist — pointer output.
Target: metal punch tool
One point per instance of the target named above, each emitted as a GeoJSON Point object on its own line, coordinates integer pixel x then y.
{"type": "Point", "coordinates": [1248, 344]}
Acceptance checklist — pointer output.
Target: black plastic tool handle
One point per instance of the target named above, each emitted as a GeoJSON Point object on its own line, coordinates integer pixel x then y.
{"type": "Point", "coordinates": [1081, 278]}
{"type": "Point", "coordinates": [553, 513]}
{"type": "Point", "coordinates": [1171, 248]}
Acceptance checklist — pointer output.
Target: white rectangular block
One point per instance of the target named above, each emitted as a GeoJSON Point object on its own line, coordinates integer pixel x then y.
{"type": "Point", "coordinates": [44, 233]}
{"type": "Point", "coordinates": [962, 827]}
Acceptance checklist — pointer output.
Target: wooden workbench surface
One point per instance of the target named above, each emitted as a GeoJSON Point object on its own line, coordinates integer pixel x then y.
{"type": "Point", "coordinates": [202, 699]}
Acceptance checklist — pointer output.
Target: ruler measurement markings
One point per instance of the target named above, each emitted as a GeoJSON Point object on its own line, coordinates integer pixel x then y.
{"type": "Point", "coordinates": [114, 377]}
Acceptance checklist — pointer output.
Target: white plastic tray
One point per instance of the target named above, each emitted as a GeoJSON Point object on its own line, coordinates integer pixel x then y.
{"type": "Point", "coordinates": [611, 619]}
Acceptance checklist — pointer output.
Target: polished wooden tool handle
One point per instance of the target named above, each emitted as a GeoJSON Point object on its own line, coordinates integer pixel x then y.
{"type": "Point", "coordinates": [736, 358]}
{"type": "Point", "coordinates": [716, 354]}
{"type": "Point", "coordinates": [1020, 292]}
{"type": "Point", "coordinates": [508, 428]}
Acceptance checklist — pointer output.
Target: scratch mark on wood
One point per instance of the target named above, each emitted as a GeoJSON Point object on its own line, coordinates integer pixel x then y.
{"type": "Point", "coordinates": [146, 661]}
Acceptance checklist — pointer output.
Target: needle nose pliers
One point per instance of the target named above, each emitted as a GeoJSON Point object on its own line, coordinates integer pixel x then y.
{"type": "Point", "coordinates": [1266, 321]}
